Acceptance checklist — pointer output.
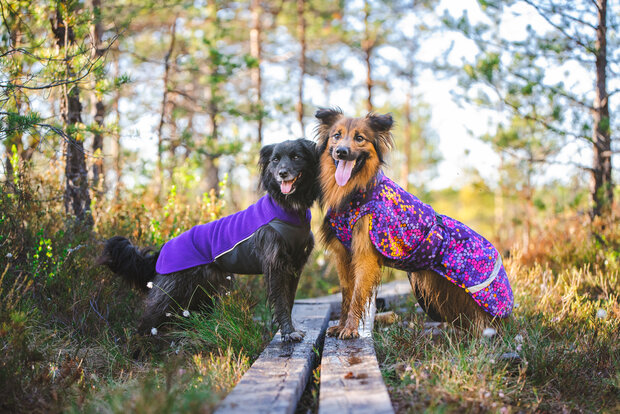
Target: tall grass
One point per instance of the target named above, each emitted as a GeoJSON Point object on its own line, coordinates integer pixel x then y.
{"type": "Point", "coordinates": [67, 327]}
{"type": "Point", "coordinates": [560, 352]}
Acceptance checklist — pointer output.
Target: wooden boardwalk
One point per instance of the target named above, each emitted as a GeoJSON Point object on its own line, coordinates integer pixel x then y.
{"type": "Point", "coordinates": [351, 381]}
{"type": "Point", "coordinates": [279, 376]}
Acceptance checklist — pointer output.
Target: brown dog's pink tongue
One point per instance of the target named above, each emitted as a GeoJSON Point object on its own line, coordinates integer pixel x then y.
{"type": "Point", "coordinates": [286, 186]}
{"type": "Point", "coordinates": [343, 172]}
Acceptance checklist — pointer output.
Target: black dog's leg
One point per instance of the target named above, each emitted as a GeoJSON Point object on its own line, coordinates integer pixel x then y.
{"type": "Point", "coordinates": [279, 284]}
{"type": "Point", "coordinates": [184, 290]}
{"type": "Point", "coordinates": [281, 278]}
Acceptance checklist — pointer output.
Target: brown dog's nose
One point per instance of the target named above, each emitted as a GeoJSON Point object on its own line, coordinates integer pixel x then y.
{"type": "Point", "coordinates": [342, 152]}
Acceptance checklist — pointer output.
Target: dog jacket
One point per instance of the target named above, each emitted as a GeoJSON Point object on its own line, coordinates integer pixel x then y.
{"type": "Point", "coordinates": [413, 237]}
{"type": "Point", "coordinates": [228, 241]}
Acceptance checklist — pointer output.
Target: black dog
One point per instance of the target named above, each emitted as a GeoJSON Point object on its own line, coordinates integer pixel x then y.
{"type": "Point", "coordinates": [190, 270]}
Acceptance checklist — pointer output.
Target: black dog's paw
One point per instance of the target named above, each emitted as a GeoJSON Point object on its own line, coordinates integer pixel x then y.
{"type": "Point", "coordinates": [295, 336]}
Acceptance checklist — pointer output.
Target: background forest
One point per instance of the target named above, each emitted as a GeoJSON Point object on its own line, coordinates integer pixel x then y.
{"type": "Point", "coordinates": [144, 118]}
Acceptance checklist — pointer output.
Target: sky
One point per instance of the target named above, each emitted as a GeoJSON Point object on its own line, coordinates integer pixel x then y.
{"type": "Point", "coordinates": [456, 126]}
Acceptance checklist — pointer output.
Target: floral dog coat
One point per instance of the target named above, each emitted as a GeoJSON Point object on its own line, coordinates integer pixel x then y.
{"type": "Point", "coordinates": [413, 237]}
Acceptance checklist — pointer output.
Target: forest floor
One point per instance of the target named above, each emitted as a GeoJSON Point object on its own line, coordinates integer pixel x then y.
{"type": "Point", "coordinates": [68, 343]}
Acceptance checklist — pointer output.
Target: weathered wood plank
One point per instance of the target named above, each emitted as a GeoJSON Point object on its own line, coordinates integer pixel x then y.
{"type": "Point", "coordinates": [275, 382]}
{"type": "Point", "coordinates": [351, 381]}
{"type": "Point", "coordinates": [387, 294]}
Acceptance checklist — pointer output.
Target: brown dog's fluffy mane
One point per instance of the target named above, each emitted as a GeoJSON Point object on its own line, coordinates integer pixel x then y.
{"type": "Point", "coordinates": [377, 128]}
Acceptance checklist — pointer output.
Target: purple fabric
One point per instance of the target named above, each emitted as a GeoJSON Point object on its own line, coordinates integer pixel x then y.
{"type": "Point", "coordinates": [410, 234]}
{"type": "Point", "coordinates": [203, 243]}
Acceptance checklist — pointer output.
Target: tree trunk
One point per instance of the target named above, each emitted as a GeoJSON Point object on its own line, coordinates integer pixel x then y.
{"type": "Point", "coordinates": [404, 168]}
{"type": "Point", "coordinates": [118, 154]}
{"type": "Point", "coordinates": [164, 105]}
{"type": "Point", "coordinates": [367, 46]}
{"type": "Point", "coordinates": [77, 197]}
{"type": "Point", "coordinates": [14, 138]}
{"type": "Point", "coordinates": [301, 33]}
{"type": "Point", "coordinates": [99, 110]}
{"type": "Point", "coordinates": [602, 189]}
{"type": "Point", "coordinates": [256, 52]}
{"type": "Point", "coordinates": [211, 167]}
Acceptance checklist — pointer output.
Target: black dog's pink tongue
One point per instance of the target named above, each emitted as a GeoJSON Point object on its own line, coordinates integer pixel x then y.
{"type": "Point", "coordinates": [343, 172]}
{"type": "Point", "coordinates": [286, 186]}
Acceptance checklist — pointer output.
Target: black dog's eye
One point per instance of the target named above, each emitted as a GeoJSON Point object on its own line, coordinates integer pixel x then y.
{"type": "Point", "coordinates": [295, 157]}
{"type": "Point", "coordinates": [359, 138]}
{"type": "Point", "coordinates": [275, 159]}
{"type": "Point", "coordinates": [337, 135]}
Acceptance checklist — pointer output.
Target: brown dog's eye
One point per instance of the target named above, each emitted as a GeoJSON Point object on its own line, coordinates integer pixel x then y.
{"type": "Point", "coordinates": [337, 135]}
{"type": "Point", "coordinates": [359, 138]}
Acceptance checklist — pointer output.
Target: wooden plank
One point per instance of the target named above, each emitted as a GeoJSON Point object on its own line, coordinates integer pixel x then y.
{"type": "Point", "coordinates": [275, 382]}
{"type": "Point", "coordinates": [387, 294]}
{"type": "Point", "coordinates": [351, 381]}
{"type": "Point", "coordinates": [392, 293]}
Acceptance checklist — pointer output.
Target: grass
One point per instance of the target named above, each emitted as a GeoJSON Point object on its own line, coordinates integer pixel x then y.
{"type": "Point", "coordinates": [67, 327]}
{"type": "Point", "coordinates": [565, 331]}
{"type": "Point", "coordinates": [68, 342]}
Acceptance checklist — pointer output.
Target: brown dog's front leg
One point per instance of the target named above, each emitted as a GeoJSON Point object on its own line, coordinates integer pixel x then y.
{"type": "Point", "coordinates": [345, 276]}
{"type": "Point", "coordinates": [366, 265]}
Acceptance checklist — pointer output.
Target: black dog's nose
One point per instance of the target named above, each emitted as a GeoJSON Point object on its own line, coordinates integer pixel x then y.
{"type": "Point", "coordinates": [283, 173]}
{"type": "Point", "coordinates": [342, 152]}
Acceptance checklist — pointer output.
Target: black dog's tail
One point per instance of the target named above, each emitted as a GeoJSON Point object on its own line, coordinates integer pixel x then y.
{"type": "Point", "coordinates": [134, 265]}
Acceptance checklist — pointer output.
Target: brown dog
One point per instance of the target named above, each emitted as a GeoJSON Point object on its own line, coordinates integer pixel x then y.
{"type": "Point", "coordinates": [351, 155]}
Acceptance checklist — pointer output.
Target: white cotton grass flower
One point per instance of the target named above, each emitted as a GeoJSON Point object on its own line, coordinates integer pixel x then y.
{"type": "Point", "coordinates": [519, 338]}
{"type": "Point", "coordinates": [149, 285]}
{"type": "Point", "coordinates": [9, 255]}
{"type": "Point", "coordinates": [489, 332]}
{"type": "Point", "coordinates": [601, 313]}
{"type": "Point", "coordinates": [153, 331]}
{"type": "Point", "coordinates": [186, 313]}
{"type": "Point", "coordinates": [168, 314]}
{"type": "Point", "coordinates": [229, 277]}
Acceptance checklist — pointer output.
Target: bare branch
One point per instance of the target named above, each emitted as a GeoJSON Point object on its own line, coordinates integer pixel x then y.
{"type": "Point", "coordinates": [544, 14]}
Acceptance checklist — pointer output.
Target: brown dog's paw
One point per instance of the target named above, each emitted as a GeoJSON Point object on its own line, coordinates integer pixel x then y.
{"type": "Point", "coordinates": [334, 330]}
{"type": "Point", "coordinates": [349, 333]}
{"type": "Point", "coordinates": [295, 336]}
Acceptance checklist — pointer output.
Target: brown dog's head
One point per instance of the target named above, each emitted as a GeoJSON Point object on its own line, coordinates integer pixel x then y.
{"type": "Point", "coordinates": [356, 146]}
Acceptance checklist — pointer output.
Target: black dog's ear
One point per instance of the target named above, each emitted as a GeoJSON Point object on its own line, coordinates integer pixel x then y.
{"type": "Point", "coordinates": [327, 118]}
{"type": "Point", "coordinates": [265, 155]}
{"type": "Point", "coordinates": [380, 123]}
{"type": "Point", "coordinates": [263, 162]}
{"type": "Point", "coordinates": [309, 145]}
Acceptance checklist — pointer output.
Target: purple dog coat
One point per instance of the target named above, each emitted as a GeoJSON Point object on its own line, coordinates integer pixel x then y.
{"type": "Point", "coordinates": [413, 237]}
{"type": "Point", "coordinates": [204, 243]}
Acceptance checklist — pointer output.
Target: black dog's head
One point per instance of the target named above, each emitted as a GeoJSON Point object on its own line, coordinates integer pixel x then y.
{"type": "Point", "coordinates": [289, 173]}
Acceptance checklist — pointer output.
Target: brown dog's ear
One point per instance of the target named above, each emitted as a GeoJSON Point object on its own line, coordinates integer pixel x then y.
{"type": "Point", "coordinates": [382, 124]}
{"type": "Point", "coordinates": [327, 118]}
